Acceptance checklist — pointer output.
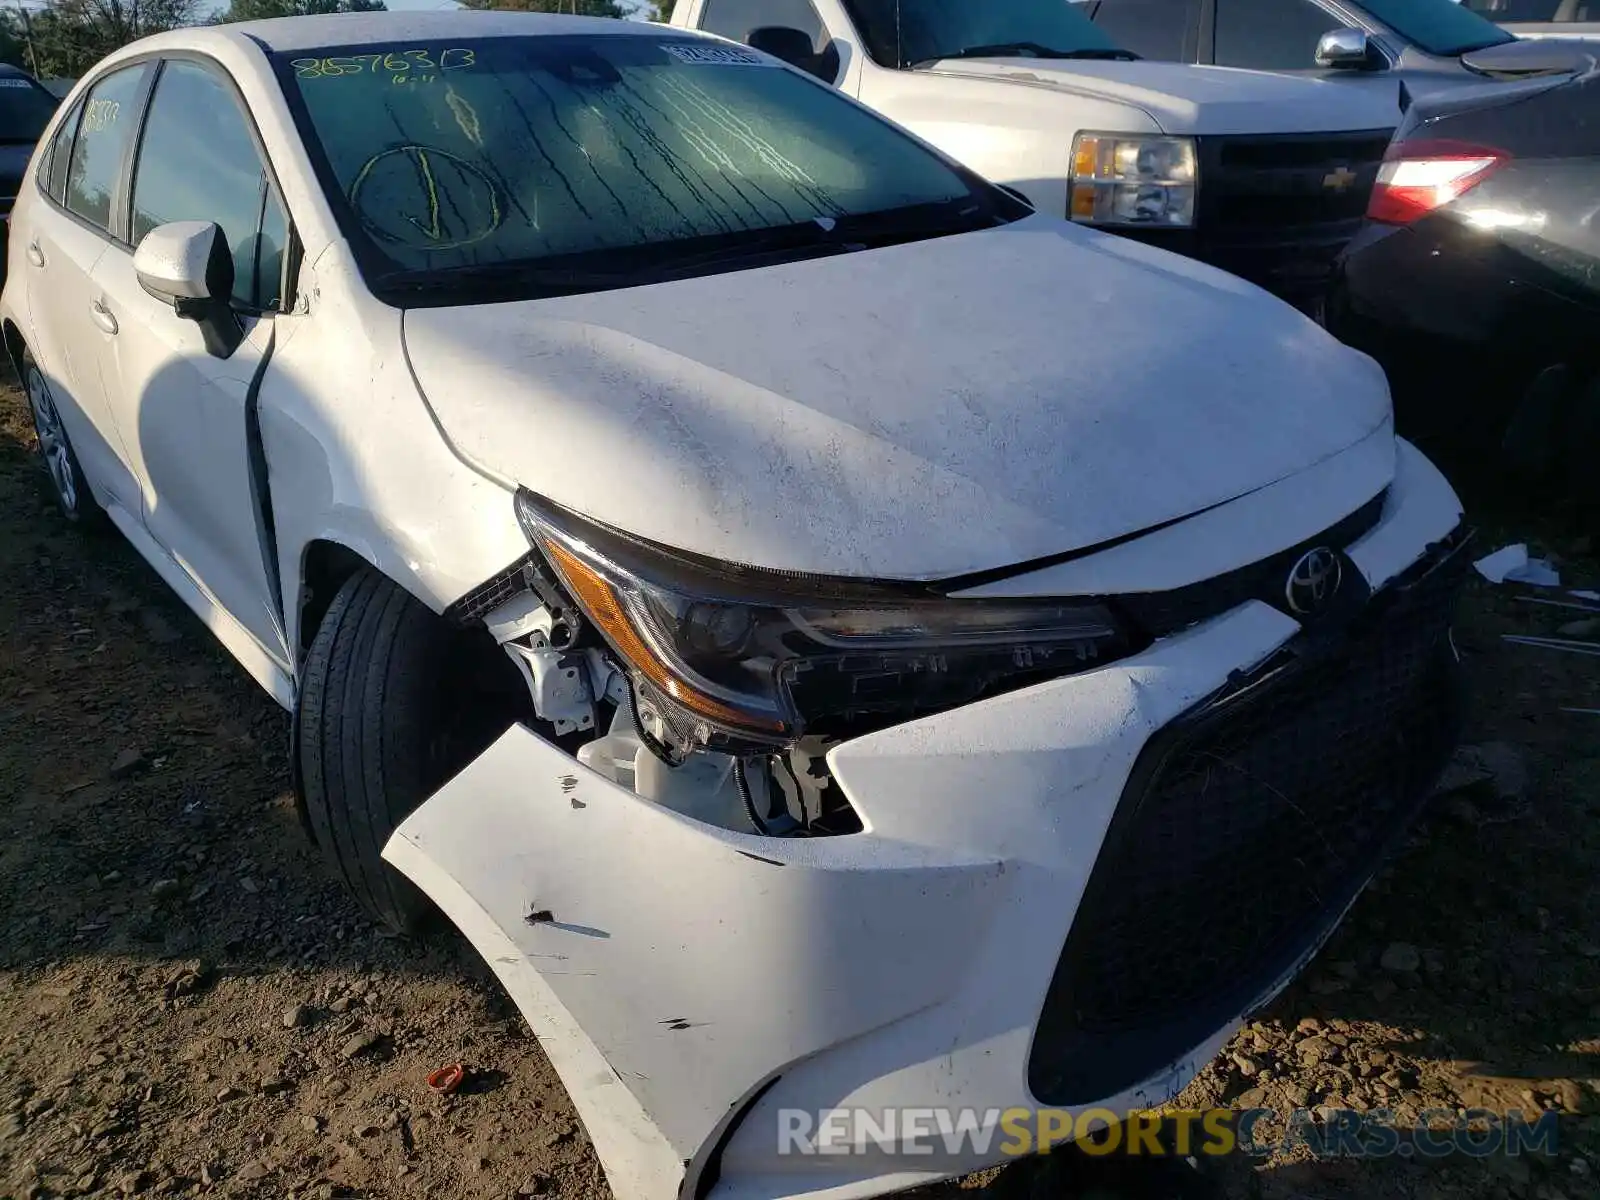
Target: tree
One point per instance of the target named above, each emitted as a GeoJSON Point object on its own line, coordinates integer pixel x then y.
{"type": "Point", "coordinates": [582, 8]}
{"type": "Point", "coordinates": [14, 41]}
{"type": "Point", "coordinates": [260, 10]}
{"type": "Point", "coordinates": [659, 10]}
{"type": "Point", "coordinates": [70, 36]}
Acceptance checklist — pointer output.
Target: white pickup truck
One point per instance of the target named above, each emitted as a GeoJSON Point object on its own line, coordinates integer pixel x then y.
{"type": "Point", "coordinates": [1266, 176]}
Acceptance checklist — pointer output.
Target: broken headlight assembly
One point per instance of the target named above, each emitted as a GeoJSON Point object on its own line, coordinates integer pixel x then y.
{"type": "Point", "coordinates": [747, 661]}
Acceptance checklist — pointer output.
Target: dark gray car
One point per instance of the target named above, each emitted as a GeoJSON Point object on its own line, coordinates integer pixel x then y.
{"type": "Point", "coordinates": [25, 109]}
{"type": "Point", "coordinates": [1430, 44]}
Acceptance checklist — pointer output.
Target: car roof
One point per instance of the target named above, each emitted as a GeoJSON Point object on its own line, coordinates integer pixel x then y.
{"type": "Point", "coordinates": [343, 29]}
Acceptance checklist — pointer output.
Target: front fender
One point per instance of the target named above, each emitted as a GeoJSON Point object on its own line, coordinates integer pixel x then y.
{"type": "Point", "coordinates": [354, 457]}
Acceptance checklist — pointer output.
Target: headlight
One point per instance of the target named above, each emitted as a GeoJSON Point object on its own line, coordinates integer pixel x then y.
{"type": "Point", "coordinates": [747, 659]}
{"type": "Point", "coordinates": [1119, 180]}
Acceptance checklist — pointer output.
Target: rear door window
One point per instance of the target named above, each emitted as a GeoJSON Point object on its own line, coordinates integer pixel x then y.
{"type": "Point", "coordinates": [54, 176]}
{"type": "Point", "coordinates": [105, 130]}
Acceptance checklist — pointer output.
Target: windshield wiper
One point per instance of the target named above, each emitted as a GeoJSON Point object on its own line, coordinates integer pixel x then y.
{"type": "Point", "coordinates": [549, 281]}
{"type": "Point", "coordinates": [964, 214]}
{"type": "Point", "coordinates": [818, 237]}
{"type": "Point", "coordinates": [813, 235]}
{"type": "Point", "coordinates": [1031, 49]}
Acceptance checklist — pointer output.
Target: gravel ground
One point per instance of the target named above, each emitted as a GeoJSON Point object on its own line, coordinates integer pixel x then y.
{"type": "Point", "coordinates": [188, 1007]}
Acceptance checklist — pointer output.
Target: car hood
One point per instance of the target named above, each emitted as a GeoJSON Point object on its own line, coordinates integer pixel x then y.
{"type": "Point", "coordinates": [1185, 99]}
{"type": "Point", "coordinates": [915, 412]}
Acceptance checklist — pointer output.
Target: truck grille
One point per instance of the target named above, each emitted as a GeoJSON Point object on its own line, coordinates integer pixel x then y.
{"type": "Point", "coordinates": [1244, 832]}
{"type": "Point", "coordinates": [1278, 210]}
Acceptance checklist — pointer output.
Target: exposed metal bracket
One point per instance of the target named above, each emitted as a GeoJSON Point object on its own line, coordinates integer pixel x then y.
{"type": "Point", "coordinates": [558, 681]}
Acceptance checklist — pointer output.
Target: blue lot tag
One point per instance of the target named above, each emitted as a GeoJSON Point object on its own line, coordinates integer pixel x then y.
{"type": "Point", "coordinates": [720, 56]}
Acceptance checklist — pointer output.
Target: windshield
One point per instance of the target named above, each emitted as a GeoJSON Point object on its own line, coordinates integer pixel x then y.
{"type": "Point", "coordinates": [1440, 27]}
{"type": "Point", "coordinates": [903, 33]}
{"type": "Point", "coordinates": [25, 109]}
{"type": "Point", "coordinates": [1543, 12]}
{"type": "Point", "coordinates": [578, 163]}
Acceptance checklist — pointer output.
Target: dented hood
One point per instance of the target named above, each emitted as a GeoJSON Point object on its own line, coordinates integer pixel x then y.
{"type": "Point", "coordinates": [916, 412]}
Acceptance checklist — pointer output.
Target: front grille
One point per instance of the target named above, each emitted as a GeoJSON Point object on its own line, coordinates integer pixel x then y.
{"type": "Point", "coordinates": [1267, 211]}
{"type": "Point", "coordinates": [1245, 830]}
{"type": "Point", "coordinates": [1158, 614]}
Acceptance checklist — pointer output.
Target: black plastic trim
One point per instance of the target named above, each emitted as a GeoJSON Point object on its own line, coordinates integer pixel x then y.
{"type": "Point", "coordinates": [1070, 1064]}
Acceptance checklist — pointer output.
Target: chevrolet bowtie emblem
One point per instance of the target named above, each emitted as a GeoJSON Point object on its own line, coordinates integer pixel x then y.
{"type": "Point", "coordinates": [1339, 179]}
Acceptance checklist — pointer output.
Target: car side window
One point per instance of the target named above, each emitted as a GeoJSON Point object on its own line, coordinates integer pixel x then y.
{"type": "Point", "coordinates": [52, 174]}
{"type": "Point", "coordinates": [736, 18]}
{"type": "Point", "coordinates": [1271, 35]}
{"type": "Point", "coordinates": [106, 126]}
{"type": "Point", "coordinates": [271, 247]}
{"type": "Point", "coordinates": [198, 162]}
{"type": "Point", "coordinates": [1166, 30]}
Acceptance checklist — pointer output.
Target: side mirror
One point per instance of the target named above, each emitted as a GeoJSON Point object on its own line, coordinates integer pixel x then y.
{"type": "Point", "coordinates": [188, 265]}
{"type": "Point", "coordinates": [1346, 49]}
{"type": "Point", "coordinates": [794, 47]}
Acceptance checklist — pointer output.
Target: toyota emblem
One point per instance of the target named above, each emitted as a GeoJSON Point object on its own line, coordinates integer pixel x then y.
{"type": "Point", "coordinates": [1313, 582]}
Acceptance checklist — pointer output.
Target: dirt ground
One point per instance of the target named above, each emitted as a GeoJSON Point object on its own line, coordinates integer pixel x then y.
{"type": "Point", "coordinates": [189, 1007]}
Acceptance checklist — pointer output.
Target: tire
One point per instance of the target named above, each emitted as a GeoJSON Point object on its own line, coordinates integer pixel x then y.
{"type": "Point", "coordinates": [67, 485]}
{"type": "Point", "coordinates": [392, 703]}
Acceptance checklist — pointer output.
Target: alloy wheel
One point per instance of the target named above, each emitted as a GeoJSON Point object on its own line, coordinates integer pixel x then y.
{"type": "Point", "coordinates": [53, 445]}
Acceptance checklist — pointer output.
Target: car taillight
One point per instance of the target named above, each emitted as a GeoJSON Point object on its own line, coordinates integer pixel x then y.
{"type": "Point", "coordinates": [1419, 177]}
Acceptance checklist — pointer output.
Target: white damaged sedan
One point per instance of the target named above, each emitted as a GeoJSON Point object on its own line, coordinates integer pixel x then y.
{"type": "Point", "coordinates": [831, 637]}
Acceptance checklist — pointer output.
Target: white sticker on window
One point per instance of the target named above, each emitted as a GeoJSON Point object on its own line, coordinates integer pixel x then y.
{"type": "Point", "coordinates": [722, 56]}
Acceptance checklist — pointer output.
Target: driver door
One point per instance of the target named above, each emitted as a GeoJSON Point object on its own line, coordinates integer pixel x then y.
{"type": "Point", "coordinates": [184, 414]}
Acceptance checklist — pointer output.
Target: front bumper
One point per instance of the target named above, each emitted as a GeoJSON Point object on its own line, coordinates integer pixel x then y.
{"type": "Point", "coordinates": [1045, 905]}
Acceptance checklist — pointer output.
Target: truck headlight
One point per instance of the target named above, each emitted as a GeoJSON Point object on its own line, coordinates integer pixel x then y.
{"type": "Point", "coordinates": [1121, 180]}
{"type": "Point", "coordinates": [741, 659]}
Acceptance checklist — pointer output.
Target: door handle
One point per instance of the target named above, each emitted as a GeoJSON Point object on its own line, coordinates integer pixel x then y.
{"type": "Point", "coordinates": [102, 317]}
{"type": "Point", "coordinates": [35, 255]}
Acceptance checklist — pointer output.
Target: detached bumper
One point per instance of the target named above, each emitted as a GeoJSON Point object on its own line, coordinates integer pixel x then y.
{"type": "Point", "coordinates": [1046, 906]}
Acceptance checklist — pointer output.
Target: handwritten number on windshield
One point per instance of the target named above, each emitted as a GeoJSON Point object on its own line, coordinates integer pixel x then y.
{"type": "Point", "coordinates": [396, 64]}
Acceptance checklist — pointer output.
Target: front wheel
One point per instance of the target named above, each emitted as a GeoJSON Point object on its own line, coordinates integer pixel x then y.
{"type": "Point", "coordinates": [392, 703]}
{"type": "Point", "coordinates": [67, 483]}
